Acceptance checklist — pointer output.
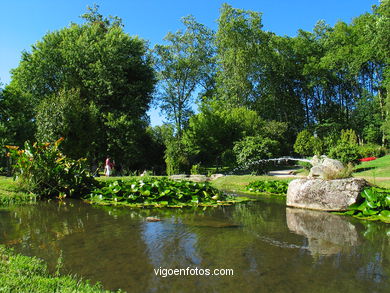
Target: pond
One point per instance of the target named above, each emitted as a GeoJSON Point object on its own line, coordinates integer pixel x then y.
{"type": "Point", "coordinates": [269, 248]}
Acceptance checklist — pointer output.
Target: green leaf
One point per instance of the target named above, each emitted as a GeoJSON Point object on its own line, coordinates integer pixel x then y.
{"type": "Point", "coordinates": [385, 214]}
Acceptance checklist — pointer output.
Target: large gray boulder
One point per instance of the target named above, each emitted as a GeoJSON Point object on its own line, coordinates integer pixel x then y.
{"type": "Point", "coordinates": [324, 167]}
{"type": "Point", "coordinates": [325, 195]}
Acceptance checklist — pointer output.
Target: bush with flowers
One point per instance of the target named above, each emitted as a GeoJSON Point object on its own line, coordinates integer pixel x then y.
{"type": "Point", "coordinates": [42, 169]}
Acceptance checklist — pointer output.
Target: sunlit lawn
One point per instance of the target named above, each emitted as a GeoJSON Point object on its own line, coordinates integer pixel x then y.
{"type": "Point", "coordinates": [10, 193]}
{"type": "Point", "coordinates": [376, 172]}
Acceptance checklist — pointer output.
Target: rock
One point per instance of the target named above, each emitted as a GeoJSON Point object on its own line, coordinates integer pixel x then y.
{"type": "Point", "coordinates": [327, 234]}
{"type": "Point", "coordinates": [197, 178]}
{"type": "Point", "coordinates": [152, 219]}
{"type": "Point", "coordinates": [215, 176]}
{"type": "Point", "coordinates": [324, 167]}
{"type": "Point", "coordinates": [325, 195]}
{"type": "Point", "coordinates": [179, 177]}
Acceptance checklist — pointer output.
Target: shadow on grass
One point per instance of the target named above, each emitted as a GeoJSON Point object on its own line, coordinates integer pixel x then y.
{"type": "Point", "coordinates": [364, 169]}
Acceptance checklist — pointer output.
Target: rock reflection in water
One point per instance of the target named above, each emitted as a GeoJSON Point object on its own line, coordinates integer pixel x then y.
{"type": "Point", "coordinates": [327, 233]}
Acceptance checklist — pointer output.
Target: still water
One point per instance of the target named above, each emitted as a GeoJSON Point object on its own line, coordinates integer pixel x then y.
{"type": "Point", "coordinates": [269, 247]}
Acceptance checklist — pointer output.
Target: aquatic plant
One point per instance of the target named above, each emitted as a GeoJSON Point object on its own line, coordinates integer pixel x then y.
{"type": "Point", "coordinates": [43, 170]}
{"type": "Point", "coordinates": [160, 192]}
{"type": "Point", "coordinates": [268, 186]}
{"type": "Point", "coordinates": [375, 205]}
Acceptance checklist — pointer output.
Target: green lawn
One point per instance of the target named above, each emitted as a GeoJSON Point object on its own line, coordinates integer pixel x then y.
{"type": "Point", "coordinates": [376, 172]}
{"type": "Point", "coordinates": [9, 193]}
{"type": "Point", "coordinates": [237, 183]}
{"type": "Point", "coordinates": [377, 168]}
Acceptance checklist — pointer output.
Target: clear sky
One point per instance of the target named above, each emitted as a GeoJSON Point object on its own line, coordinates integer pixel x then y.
{"type": "Point", "coordinates": [23, 22]}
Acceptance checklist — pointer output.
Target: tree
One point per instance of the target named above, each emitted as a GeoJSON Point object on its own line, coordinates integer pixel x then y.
{"type": "Point", "coordinates": [61, 115]}
{"type": "Point", "coordinates": [184, 65]}
{"type": "Point", "coordinates": [242, 49]}
{"type": "Point", "coordinates": [108, 70]}
{"type": "Point", "coordinates": [16, 116]}
{"type": "Point", "coordinates": [213, 131]}
{"type": "Point", "coordinates": [257, 69]}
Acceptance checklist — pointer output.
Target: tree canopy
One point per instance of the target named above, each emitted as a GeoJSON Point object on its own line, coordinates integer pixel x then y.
{"type": "Point", "coordinates": [91, 83]}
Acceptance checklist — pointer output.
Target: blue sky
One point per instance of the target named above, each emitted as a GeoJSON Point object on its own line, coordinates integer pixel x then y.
{"type": "Point", "coordinates": [24, 22]}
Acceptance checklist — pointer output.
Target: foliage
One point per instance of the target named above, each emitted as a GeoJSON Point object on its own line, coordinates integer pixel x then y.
{"type": "Point", "coordinates": [16, 112]}
{"type": "Point", "coordinates": [348, 136]}
{"type": "Point", "coordinates": [345, 153]}
{"type": "Point", "coordinates": [251, 150]}
{"type": "Point", "coordinates": [184, 65]}
{"type": "Point", "coordinates": [195, 169]}
{"type": "Point", "coordinates": [20, 273]}
{"type": "Point", "coordinates": [371, 150]}
{"type": "Point", "coordinates": [66, 115]}
{"type": "Point", "coordinates": [374, 206]}
{"type": "Point", "coordinates": [159, 192]}
{"type": "Point", "coordinates": [212, 132]}
{"type": "Point", "coordinates": [344, 173]}
{"type": "Point", "coordinates": [241, 45]}
{"type": "Point", "coordinates": [305, 165]}
{"type": "Point", "coordinates": [95, 65]}
{"type": "Point", "coordinates": [304, 144]}
{"type": "Point", "coordinates": [43, 170]}
{"type": "Point", "coordinates": [275, 187]}
{"type": "Point", "coordinates": [346, 150]}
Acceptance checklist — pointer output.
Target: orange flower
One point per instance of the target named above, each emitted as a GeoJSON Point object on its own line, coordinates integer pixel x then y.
{"type": "Point", "coordinates": [58, 141]}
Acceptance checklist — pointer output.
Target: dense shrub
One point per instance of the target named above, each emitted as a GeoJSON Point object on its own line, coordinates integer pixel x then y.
{"type": "Point", "coordinates": [304, 144]}
{"type": "Point", "coordinates": [251, 150]}
{"type": "Point", "coordinates": [371, 150]}
{"type": "Point", "coordinates": [345, 153]}
{"type": "Point", "coordinates": [347, 149]}
{"type": "Point", "coordinates": [43, 170]}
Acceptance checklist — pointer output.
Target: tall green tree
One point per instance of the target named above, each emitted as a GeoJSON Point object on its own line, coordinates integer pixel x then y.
{"type": "Point", "coordinates": [105, 66]}
{"type": "Point", "coordinates": [185, 65]}
{"type": "Point", "coordinates": [242, 48]}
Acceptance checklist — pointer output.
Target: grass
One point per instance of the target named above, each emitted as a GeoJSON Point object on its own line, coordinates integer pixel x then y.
{"type": "Point", "coordinates": [376, 172]}
{"type": "Point", "coordinates": [377, 168]}
{"type": "Point", "coordinates": [237, 183]}
{"type": "Point", "coordinates": [20, 273]}
{"type": "Point", "coordinates": [10, 193]}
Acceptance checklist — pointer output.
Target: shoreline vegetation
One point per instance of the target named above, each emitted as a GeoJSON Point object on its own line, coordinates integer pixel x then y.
{"type": "Point", "coordinates": [375, 172]}
{"type": "Point", "coordinates": [19, 273]}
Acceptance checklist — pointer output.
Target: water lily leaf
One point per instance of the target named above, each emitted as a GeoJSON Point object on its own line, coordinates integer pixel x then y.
{"type": "Point", "coordinates": [385, 214]}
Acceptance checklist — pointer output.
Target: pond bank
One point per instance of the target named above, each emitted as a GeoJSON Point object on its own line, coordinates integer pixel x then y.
{"type": "Point", "coordinates": [19, 273]}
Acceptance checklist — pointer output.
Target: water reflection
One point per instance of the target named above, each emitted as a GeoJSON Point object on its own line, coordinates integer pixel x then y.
{"type": "Point", "coordinates": [327, 233]}
{"type": "Point", "coordinates": [117, 247]}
